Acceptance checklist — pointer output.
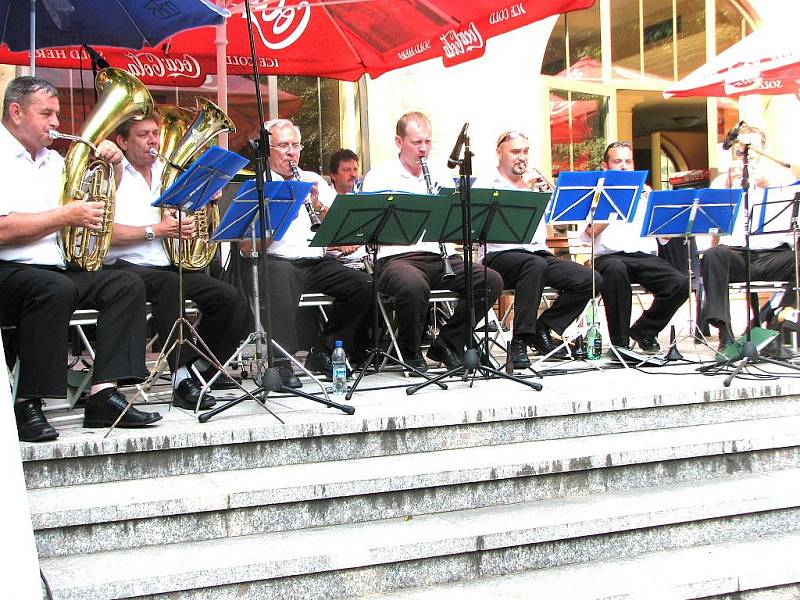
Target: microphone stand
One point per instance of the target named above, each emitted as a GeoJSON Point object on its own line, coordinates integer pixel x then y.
{"type": "Point", "coordinates": [270, 377]}
{"type": "Point", "coordinates": [471, 362]}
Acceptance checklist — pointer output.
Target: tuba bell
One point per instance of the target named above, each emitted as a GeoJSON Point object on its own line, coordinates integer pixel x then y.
{"type": "Point", "coordinates": [180, 142]}
{"type": "Point", "coordinates": [121, 97]}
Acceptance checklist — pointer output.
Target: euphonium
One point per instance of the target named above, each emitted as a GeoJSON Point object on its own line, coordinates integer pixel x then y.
{"type": "Point", "coordinates": [121, 97]}
{"type": "Point", "coordinates": [180, 142]}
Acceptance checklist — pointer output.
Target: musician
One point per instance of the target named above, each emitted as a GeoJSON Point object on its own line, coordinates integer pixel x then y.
{"type": "Point", "coordinates": [295, 267]}
{"type": "Point", "coordinates": [408, 273]}
{"type": "Point", "coordinates": [624, 257]}
{"type": "Point", "coordinates": [528, 268]}
{"type": "Point", "coordinates": [138, 248]}
{"type": "Point", "coordinates": [771, 255]}
{"type": "Point", "coordinates": [344, 171]}
{"type": "Point", "coordinates": [38, 293]}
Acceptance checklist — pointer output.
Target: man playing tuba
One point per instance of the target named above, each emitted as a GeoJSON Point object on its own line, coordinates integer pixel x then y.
{"type": "Point", "coordinates": [137, 247]}
{"type": "Point", "coordinates": [38, 293]}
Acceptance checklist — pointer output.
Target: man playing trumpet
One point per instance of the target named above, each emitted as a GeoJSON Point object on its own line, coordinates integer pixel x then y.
{"type": "Point", "coordinates": [138, 248]}
{"type": "Point", "coordinates": [528, 268]}
{"type": "Point", "coordinates": [38, 293]}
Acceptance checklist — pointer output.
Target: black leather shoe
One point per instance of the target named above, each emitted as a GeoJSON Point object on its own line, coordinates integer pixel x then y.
{"type": "Point", "coordinates": [103, 408]}
{"type": "Point", "coordinates": [221, 382]}
{"type": "Point", "coordinates": [289, 379]}
{"type": "Point", "coordinates": [725, 338]}
{"type": "Point", "coordinates": [319, 361]}
{"type": "Point", "coordinates": [440, 352]}
{"type": "Point", "coordinates": [544, 344]}
{"type": "Point", "coordinates": [519, 354]}
{"type": "Point", "coordinates": [647, 344]}
{"type": "Point", "coordinates": [416, 360]}
{"type": "Point", "coordinates": [187, 394]}
{"type": "Point", "coordinates": [32, 425]}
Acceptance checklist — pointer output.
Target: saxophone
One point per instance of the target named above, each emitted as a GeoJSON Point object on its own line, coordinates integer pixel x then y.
{"type": "Point", "coordinates": [121, 97]}
{"type": "Point", "coordinates": [180, 142]}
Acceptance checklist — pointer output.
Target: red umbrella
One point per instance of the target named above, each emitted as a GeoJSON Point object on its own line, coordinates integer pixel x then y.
{"type": "Point", "coordinates": [765, 62]}
{"type": "Point", "coordinates": [340, 39]}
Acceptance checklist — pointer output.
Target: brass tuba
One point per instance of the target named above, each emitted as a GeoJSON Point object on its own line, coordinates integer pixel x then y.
{"type": "Point", "coordinates": [121, 97]}
{"type": "Point", "coordinates": [180, 142]}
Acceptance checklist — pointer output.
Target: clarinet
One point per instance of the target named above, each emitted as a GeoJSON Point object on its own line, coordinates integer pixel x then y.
{"type": "Point", "coordinates": [448, 268]}
{"type": "Point", "coordinates": [312, 214]}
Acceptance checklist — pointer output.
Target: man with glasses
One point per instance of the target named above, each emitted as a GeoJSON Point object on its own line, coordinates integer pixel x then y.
{"type": "Point", "coordinates": [624, 257]}
{"type": "Point", "coordinates": [408, 273]}
{"type": "Point", "coordinates": [295, 268]}
{"type": "Point", "coordinates": [528, 268]}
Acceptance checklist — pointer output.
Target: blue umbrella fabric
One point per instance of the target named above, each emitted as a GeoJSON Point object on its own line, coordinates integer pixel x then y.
{"type": "Point", "coordinates": [118, 23]}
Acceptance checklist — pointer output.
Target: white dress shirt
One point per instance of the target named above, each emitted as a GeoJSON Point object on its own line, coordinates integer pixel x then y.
{"type": "Point", "coordinates": [294, 243]}
{"type": "Point", "coordinates": [133, 207]}
{"type": "Point", "coordinates": [621, 236]}
{"type": "Point", "coordinates": [30, 186]}
{"type": "Point", "coordinates": [392, 176]}
{"type": "Point", "coordinates": [539, 242]}
{"type": "Point", "coordinates": [783, 220]}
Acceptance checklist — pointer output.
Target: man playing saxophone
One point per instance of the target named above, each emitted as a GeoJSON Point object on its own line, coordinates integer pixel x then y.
{"type": "Point", "coordinates": [528, 268]}
{"type": "Point", "coordinates": [38, 293]}
{"type": "Point", "coordinates": [408, 273]}
{"type": "Point", "coordinates": [138, 248]}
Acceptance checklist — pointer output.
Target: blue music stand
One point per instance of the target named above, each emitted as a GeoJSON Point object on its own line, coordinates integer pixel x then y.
{"type": "Point", "coordinates": [283, 200]}
{"type": "Point", "coordinates": [590, 197]}
{"type": "Point", "coordinates": [772, 215]}
{"type": "Point", "coordinates": [195, 187]}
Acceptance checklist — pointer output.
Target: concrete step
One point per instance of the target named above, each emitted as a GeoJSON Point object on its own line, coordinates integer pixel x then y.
{"type": "Point", "coordinates": [358, 558]}
{"type": "Point", "coordinates": [114, 515]}
{"type": "Point", "coordinates": [710, 571]}
{"type": "Point", "coordinates": [180, 446]}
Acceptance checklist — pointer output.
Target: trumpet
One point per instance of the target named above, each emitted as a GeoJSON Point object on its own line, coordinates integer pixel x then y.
{"type": "Point", "coordinates": [538, 182]}
{"type": "Point", "coordinates": [312, 214]}
{"type": "Point", "coordinates": [448, 268]}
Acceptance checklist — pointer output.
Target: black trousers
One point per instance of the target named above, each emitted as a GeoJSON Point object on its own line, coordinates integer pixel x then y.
{"type": "Point", "coordinates": [528, 273]}
{"type": "Point", "coordinates": [670, 289]}
{"type": "Point", "coordinates": [722, 265]}
{"type": "Point", "coordinates": [40, 300]}
{"type": "Point", "coordinates": [223, 308]}
{"type": "Point", "coordinates": [410, 277]}
{"type": "Point", "coordinates": [352, 307]}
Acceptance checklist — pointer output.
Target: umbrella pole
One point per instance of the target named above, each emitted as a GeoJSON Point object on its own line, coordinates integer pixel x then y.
{"type": "Point", "coordinates": [33, 38]}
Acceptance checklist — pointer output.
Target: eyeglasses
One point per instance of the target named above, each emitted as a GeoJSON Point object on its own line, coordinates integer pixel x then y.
{"type": "Point", "coordinates": [510, 135]}
{"type": "Point", "coordinates": [285, 146]}
{"type": "Point", "coordinates": [613, 145]}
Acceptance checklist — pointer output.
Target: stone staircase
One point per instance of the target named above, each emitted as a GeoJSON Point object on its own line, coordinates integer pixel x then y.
{"type": "Point", "coordinates": [687, 492]}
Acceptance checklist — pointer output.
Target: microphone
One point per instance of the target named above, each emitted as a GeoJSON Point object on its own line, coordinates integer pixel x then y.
{"type": "Point", "coordinates": [452, 162]}
{"type": "Point", "coordinates": [733, 134]}
{"type": "Point", "coordinates": [99, 61]}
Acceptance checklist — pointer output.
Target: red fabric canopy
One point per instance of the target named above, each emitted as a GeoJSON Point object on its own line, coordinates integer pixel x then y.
{"type": "Point", "coordinates": [765, 62]}
{"type": "Point", "coordinates": [340, 39]}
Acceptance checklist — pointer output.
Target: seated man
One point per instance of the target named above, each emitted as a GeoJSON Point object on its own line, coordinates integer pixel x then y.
{"type": "Point", "coordinates": [624, 257]}
{"type": "Point", "coordinates": [771, 255]}
{"type": "Point", "coordinates": [295, 268]}
{"type": "Point", "coordinates": [408, 273]}
{"type": "Point", "coordinates": [138, 247]}
{"type": "Point", "coordinates": [38, 292]}
{"type": "Point", "coordinates": [528, 268]}
{"type": "Point", "coordinates": [344, 171]}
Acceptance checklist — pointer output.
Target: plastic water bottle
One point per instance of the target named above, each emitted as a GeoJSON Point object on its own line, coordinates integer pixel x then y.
{"type": "Point", "coordinates": [339, 375]}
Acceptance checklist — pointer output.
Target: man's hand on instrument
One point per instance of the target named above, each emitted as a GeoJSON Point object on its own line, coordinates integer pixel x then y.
{"type": "Point", "coordinates": [343, 250]}
{"type": "Point", "coordinates": [168, 227]}
{"type": "Point", "coordinates": [110, 152]}
{"type": "Point", "coordinates": [85, 213]}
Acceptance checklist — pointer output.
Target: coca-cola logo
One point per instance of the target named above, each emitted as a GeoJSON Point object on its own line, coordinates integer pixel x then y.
{"type": "Point", "coordinates": [414, 50]}
{"type": "Point", "coordinates": [456, 43]}
{"type": "Point", "coordinates": [147, 64]}
{"type": "Point", "coordinates": [281, 26]}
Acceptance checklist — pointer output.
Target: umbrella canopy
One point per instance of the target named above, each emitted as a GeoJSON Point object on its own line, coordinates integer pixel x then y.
{"type": "Point", "coordinates": [340, 39]}
{"type": "Point", "coordinates": [121, 23]}
{"type": "Point", "coordinates": [765, 62]}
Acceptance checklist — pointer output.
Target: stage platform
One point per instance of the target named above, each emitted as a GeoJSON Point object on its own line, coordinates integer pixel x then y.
{"type": "Point", "coordinates": [488, 488]}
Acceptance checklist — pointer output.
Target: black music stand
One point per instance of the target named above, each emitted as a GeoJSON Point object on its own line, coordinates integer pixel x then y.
{"type": "Point", "coordinates": [284, 199]}
{"type": "Point", "coordinates": [685, 214]}
{"type": "Point", "coordinates": [375, 220]}
{"type": "Point", "coordinates": [590, 197]}
{"type": "Point", "coordinates": [471, 361]}
{"type": "Point", "coordinates": [192, 190]}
